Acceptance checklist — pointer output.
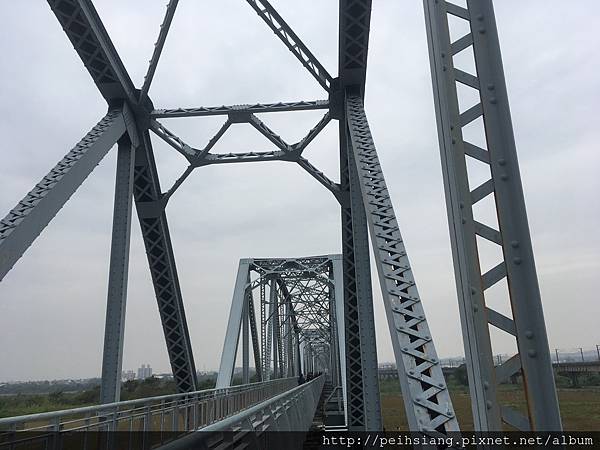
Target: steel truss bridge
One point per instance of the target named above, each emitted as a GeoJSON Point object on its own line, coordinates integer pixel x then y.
{"type": "Point", "coordinates": [312, 314]}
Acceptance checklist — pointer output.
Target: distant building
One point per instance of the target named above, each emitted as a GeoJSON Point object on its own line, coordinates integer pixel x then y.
{"type": "Point", "coordinates": [144, 372]}
{"type": "Point", "coordinates": [128, 375]}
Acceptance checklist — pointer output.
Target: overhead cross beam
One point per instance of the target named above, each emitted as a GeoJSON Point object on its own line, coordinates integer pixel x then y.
{"type": "Point", "coordinates": [255, 108]}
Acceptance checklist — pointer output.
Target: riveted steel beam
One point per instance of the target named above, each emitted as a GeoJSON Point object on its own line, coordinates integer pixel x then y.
{"type": "Point", "coordinates": [158, 46]}
{"type": "Point", "coordinates": [284, 32]}
{"type": "Point", "coordinates": [159, 250]}
{"type": "Point", "coordinates": [85, 30]}
{"type": "Point", "coordinates": [255, 108]}
{"type": "Point", "coordinates": [25, 222]}
{"type": "Point", "coordinates": [426, 398]}
{"type": "Point", "coordinates": [354, 27]}
{"type": "Point", "coordinates": [516, 266]}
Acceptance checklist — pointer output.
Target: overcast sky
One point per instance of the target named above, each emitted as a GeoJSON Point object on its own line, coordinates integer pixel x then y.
{"type": "Point", "coordinates": [52, 304]}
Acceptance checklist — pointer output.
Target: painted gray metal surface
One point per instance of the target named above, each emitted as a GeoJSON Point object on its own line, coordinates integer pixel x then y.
{"type": "Point", "coordinates": [426, 398]}
{"type": "Point", "coordinates": [161, 260]}
{"type": "Point", "coordinates": [85, 30]}
{"type": "Point", "coordinates": [245, 108]}
{"type": "Point", "coordinates": [114, 329]}
{"type": "Point", "coordinates": [23, 224]}
{"type": "Point", "coordinates": [517, 267]}
{"type": "Point", "coordinates": [158, 47]}
{"type": "Point", "coordinates": [232, 333]}
{"type": "Point", "coordinates": [291, 40]}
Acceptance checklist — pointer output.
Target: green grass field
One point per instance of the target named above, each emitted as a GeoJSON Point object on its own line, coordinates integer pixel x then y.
{"type": "Point", "coordinates": [580, 408]}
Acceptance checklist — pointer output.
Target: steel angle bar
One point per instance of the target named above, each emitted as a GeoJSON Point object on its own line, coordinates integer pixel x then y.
{"type": "Point", "coordinates": [229, 158]}
{"type": "Point", "coordinates": [334, 188]}
{"type": "Point", "coordinates": [158, 46]}
{"type": "Point", "coordinates": [300, 146]}
{"type": "Point", "coordinates": [25, 222]}
{"type": "Point", "coordinates": [284, 32]}
{"type": "Point", "coordinates": [426, 398]}
{"type": "Point", "coordinates": [85, 30]}
{"type": "Point", "coordinates": [173, 140]}
{"type": "Point", "coordinates": [268, 133]}
{"type": "Point", "coordinates": [255, 108]}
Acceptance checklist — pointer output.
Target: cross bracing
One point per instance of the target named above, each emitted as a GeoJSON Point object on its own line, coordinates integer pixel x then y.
{"type": "Point", "coordinates": [316, 312]}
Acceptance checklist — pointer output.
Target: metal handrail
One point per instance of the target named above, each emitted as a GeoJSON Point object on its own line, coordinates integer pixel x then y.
{"type": "Point", "coordinates": [292, 410]}
{"type": "Point", "coordinates": [197, 408]}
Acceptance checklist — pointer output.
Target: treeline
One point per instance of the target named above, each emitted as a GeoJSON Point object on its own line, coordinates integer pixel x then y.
{"type": "Point", "coordinates": [31, 403]}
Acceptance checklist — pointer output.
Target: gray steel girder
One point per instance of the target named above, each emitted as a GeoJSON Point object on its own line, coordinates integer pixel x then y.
{"type": "Point", "coordinates": [25, 222]}
{"type": "Point", "coordinates": [283, 31]}
{"type": "Point", "coordinates": [504, 189]}
{"type": "Point", "coordinates": [426, 398]}
{"type": "Point", "coordinates": [114, 330]}
{"type": "Point", "coordinates": [85, 30]}
{"type": "Point", "coordinates": [157, 240]}
{"type": "Point", "coordinates": [254, 108]}
{"type": "Point", "coordinates": [363, 405]}
{"type": "Point", "coordinates": [354, 26]}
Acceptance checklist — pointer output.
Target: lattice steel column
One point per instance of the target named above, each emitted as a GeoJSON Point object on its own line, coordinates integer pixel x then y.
{"type": "Point", "coordinates": [33, 213]}
{"type": "Point", "coordinates": [254, 335]}
{"type": "Point", "coordinates": [504, 188]}
{"type": "Point", "coordinates": [245, 341]}
{"type": "Point", "coordinates": [363, 403]}
{"type": "Point", "coordinates": [114, 330]}
{"type": "Point", "coordinates": [426, 398]}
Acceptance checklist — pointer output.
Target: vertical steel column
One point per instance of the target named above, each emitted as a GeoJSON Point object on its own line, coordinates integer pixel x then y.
{"type": "Point", "coordinates": [476, 336]}
{"type": "Point", "coordinates": [338, 275]}
{"type": "Point", "coordinates": [245, 341]}
{"type": "Point", "coordinates": [426, 398]}
{"type": "Point", "coordinates": [254, 335]}
{"type": "Point", "coordinates": [364, 409]}
{"type": "Point", "coordinates": [232, 335]}
{"type": "Point", "coordinates": [269, 326]}
{"type": "Point", "coordinates": [276, 336]}
{"type": "Point", "coordinates": [263, 329]}
{"type": "Point", "coordinates": [504, 187]}
{"type": "Point", "coordinates": [114, 330]}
